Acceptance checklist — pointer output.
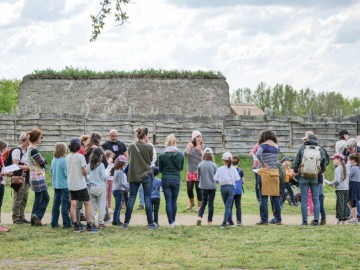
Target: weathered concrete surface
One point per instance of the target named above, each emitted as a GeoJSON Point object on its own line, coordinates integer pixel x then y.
{"type": "Point", "coordinates": [123, 95]}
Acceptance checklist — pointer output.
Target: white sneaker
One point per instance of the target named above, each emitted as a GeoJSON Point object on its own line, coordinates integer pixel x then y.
{"type": "Point", "coordinates": [172, 225]}
{"type": "Point", "coordinates": [175, 224]}
{"type": "Point", "coordinates": [110, 211]}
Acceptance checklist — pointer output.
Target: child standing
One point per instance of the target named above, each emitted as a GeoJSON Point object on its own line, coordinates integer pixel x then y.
{"type": "Point", "coordinates": [206, 172]}
{"type": "Point", "coordinates": [341, 184]}
{"type": "Point", "coordinates": [226, 176]}
{"type": "Point", "coordinates": [354, 185]}
{"type": "Point", "coordinates": [97, 185]}
{"type": "Point", "coordinates": [109, 155]}
{"type": "Point", "coordinates": [238, 191]}
{"type": "Point", "coordinates": [61, 188]}
{"type": "Point", "coordinates": [77, 176]}
{"type": "Point", "coordinates": [120, 185]}
{"type": "Point", "coordinates": [155, 195]}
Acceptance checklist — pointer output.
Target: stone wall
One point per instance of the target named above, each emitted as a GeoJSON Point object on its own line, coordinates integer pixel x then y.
{"type": "Point", "coordinates": [123, 95]}
{"type": "Point", "coordinates": [237, 134]}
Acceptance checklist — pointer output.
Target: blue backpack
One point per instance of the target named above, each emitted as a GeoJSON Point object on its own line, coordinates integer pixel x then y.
{"type": "Point", "coordinates": [238, 184]}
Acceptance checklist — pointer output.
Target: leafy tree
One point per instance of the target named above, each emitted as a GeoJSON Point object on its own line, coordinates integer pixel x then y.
{"type": "Point", "coordinates": [107, 7]}
{"type": "Point", "coordinates": [9, 91]}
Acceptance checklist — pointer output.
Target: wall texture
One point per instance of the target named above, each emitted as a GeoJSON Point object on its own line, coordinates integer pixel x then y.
{"type": "Point", "coordinates": [237, 134]}
{"type": "Point", "coordinates": [122, 95]}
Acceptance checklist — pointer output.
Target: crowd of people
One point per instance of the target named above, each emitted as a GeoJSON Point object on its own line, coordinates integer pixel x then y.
{"type": "Point", "coordinates": [87, 173]}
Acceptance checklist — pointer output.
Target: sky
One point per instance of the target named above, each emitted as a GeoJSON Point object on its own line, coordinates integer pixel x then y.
{"type": "Point", "coordinates": [303, 43]}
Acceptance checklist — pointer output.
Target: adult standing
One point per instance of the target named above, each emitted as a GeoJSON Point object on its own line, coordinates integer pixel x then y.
{"type": "Point", "coordinates": [301, 162]}
{"type": "Point", "coordinates": [341, 143]}
{"type": "Point", "coordinates": [37, 177]}
{"type": "Point", "coordinates": [21, 192]}
{"type": "Point", "coordinates": [267, 155]}
{"type": "Point", "coordinates": [194, 150]}
{"type": "Point", "coordinates": [140, 172]}
{"type": "Point", "coordinates": [114, 145]}
{"type": "Point", "coordinates": [171, 163]}
{"type": "Point", "coordinates": [3, 146]}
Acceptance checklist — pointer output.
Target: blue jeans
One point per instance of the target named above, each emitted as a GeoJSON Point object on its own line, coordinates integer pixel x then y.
{"type": "Point", "coordinates": [322, 208]}
{"type": "Point", "coordinates": [257, 186]}
{"type": "Point", "coordinates": [314, 187]}
{"type": "Point", "coordinates": [40, 203]}
{"type": "Point", "coordinates": [155, 205]}
{"type": "Point", "coordinates": [208, 195]}
{"type": "Point", "coordinates": [227, 194]}
{"type": "Point", "coordinates": [141, 195]}
{"type": "Point", "coordinates": [275, 205]}
{"type": "Point", "coordinates": [134, 187]}
{"type": "Point", "coordinates": [237, 201]}
{"type": "Point", "coordinates": [171, 192]}
{"type": "Point", "coordinates": [61, 197]}
{"type": "Point", "coordinates": [118, 204]}
{"type": "Point", "coordinates": [358, 210]}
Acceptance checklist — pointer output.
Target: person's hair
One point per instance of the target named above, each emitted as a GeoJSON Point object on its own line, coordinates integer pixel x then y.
{"type": "Point", "coordinates": [351, 143]}
{"type": "Point", "coordinates": [95, 139]}
{"type": "Point", "coordinates": [170, 140]}
{"type": "Point", "coordinates": [23, 137]}
{"type": "Point", "coordinates": [109, 153]}
{"type": "Point", "coordinates": [344, 172]}
{"type": "Point", "coordinates": [228, 163]}
{"type": "Point", "coordinates": [74, 148]}
{"type": "Point", "coordinates": [113, 131]}
{"type": "Point", "coordinates": [194, 142]}
{"type": "Point", "coordinates": [355, 157]}
{"type": "Point", "coordinates": [34, 134]}
{"type": "Point", "coordinates": [208, 156]}
{"type": "Point", "coordinates": [83, 138]}
{"type": "Point", "coordinates": [141, 133]}
{"type": "Point", "coordinates": [235, 160]}
{"type": "Point", "coordinates": [60, 150]}
{"type": "Point", "coordinates": [3, 145]}
{"type": "Point", "coordinates": [266, 135]}
{"type": "Point", "coordinates": [117, 166]}
{"type": "Point", "coordinates": [95, 157]}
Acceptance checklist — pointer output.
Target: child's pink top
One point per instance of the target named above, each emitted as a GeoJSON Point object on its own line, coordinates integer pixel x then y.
{"type": "Point", "coordinates": [256, 162]}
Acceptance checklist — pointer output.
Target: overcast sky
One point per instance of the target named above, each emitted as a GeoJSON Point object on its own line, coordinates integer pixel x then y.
{"type": "Point", "coordinates": [304, 43]}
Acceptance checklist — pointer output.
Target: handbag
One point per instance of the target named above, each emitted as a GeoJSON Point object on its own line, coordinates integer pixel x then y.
{"type": "Point", "coordinates": [270, 182]}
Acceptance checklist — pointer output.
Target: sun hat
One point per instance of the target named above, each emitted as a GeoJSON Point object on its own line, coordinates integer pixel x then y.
{"type": "Point", "coordinates": [208, 150]}
{"type": "Point", "coordinates": [286, 159]}
{"type": "Point", "coordinates": [307, 133]}
{"type": "Point", "coordinates": [227, 156]}
{"type": "Point", "coordinates": [194, 134]}
{"type": "Point", "coordinates": [337, 155]}
{"type": "Point", "coordinates": [122, 158]}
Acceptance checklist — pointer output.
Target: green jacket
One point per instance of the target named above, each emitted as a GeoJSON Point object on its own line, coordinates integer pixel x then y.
{"type": "Point", "coordinates": [171, 164]}
{"type": "Point", "coordinates": [140, 157]}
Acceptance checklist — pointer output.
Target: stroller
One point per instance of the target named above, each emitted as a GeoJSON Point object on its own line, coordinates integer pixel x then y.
{"type": "Point", "coordinates": [295, 186]}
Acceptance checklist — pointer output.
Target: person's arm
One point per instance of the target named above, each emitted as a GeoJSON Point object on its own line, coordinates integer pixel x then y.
{"type": "Point", "coordinates": [199, 170]}
{"type": "Point", "coordinates": [84, 172]}
{"type": "Point", "coordinates": [188, 147]}
{"type": "Point", "coordinates": [103, 172]}
{"type": "Point", "coordinates": [16, 156]}
{"type": "Point", "coordinates": [160, 164]}
{"type": "Point", "coordinates": [297, 160]}
{"type": "Point", "coordinates": [35, 154]}
{"type": "Point", "coordinates": [337, 178]}
{"type": "Point", "coordinates": [126, 154]}
{"type": "Point", "coordinates": [258, 154]}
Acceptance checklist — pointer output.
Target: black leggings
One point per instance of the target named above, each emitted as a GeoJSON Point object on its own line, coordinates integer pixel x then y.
{"type": "Point", "coordinates": [190, 190]}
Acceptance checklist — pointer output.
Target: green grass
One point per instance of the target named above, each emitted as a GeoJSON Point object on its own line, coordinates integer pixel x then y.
{"type": "Point", "coordinates": [85, 73]}
{"type": "Point", "coordinates": [184, 247]}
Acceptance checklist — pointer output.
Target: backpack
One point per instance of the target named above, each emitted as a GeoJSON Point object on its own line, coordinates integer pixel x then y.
{"type": "Point", "coordinates": [282, 173]}
{"type": "Point", "coordinates": [310, 164]}
{"type": "Point", "coordinates": [7, 156]}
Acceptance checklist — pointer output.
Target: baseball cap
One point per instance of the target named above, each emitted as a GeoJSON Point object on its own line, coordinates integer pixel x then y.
{"type": "Point", "coordinates": [286, 159]}
{"type": "Point", "coordinates": [208, 150]}
{"type": "Point", "coordinates": [122, 158]}
{"type": "Point", "coordinates": [227, 156]}
{"type": "Point", "coordinates": [337, 155]}
{"type": "Point", "coordinates": [75, 140]}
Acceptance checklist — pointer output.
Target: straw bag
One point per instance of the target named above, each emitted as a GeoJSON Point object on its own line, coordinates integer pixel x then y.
{"type": "Point", "coordinates": [270, 179]}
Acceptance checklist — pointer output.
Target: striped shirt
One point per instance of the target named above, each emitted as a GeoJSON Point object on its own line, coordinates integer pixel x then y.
{"type": "Point", "coordinates": [37, 169]}
{"type": "Point", "coordinates": [267, 154]}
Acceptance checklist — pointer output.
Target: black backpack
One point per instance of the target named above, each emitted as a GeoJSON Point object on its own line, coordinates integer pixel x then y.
{"type": "Point", "coordinates": [8, 160]}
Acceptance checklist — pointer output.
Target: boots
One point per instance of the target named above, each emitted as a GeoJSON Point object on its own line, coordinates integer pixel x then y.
{"type": "Point", "coordinates": [198, 206]}
{"type": "Point", "coordinates": [191, 204]}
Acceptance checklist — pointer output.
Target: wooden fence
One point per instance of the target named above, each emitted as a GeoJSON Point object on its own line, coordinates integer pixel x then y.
{"type": "Point", "coordinates": [237, 134]}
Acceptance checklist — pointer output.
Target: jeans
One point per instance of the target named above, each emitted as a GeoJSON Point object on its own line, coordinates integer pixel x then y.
{"type": "Point", "coordinates": [134, 187]}
{"type": "Point", "coordinates": [118, 194]}
{"type": "Point", "coordinates": [61, 197]}
{"type": "Point", "coordinates": [257, 186]}
{"type": "Point", "coordinates": [322, 208]}
{"type": "Point", "coordinates": [155, 205]}
{"type": "Point", "coordinates": [141, 195]}
{"type": "Point", "coordinates": [40, 203]}
{"type": "Point", "coordinates": [304, 187]}
{"type": "Point", "coordinates": [227, 194]}
{"type": "Point", "coordinates": [275, 206]}
{"type": "Point", "coordinates": [358, 210]}
{"type": "Point", "coordinates": [171, 190]}
{"type": "Point", "coordinates": [98, 200]}
{"type": "Point", "coordinates": [208, 195]}
{"type": "Point", "coordinates": [237, 201]}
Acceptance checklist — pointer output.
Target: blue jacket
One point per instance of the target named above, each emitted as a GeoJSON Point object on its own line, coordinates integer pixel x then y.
{"type": "Point", "coordinates": [59, 173]}
{"type": "Point", "coordinates": [156, 184]}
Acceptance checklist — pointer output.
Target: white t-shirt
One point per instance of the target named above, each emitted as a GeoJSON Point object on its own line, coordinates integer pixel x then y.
{"type": "Point", "coordinates": [226, 176]}
{"type": "Point", "coordinates": [77, 180]}
{"type": "Point", "coordinates": [15, 155]}
{"type": "Point", "coordinates": [340, 146]}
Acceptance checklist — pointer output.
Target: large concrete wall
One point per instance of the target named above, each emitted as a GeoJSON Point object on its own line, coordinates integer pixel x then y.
{"type": "Point", "coordinates": [122, 95]}
{"type": "Point", "coordinates": [237, 134]}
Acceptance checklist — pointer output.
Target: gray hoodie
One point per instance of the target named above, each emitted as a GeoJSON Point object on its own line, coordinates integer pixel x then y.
{"type": "Point", "coordinates": [339, 183]}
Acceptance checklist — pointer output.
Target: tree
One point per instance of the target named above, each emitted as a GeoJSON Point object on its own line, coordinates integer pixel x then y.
{"type": "Point", "coordinates": [9, 91]}
{"type": "Point", "coordinates": [108, 7]}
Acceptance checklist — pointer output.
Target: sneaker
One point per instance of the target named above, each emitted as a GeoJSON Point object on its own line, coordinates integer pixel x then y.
{"type": "Point", "coordinates": [117, 223]}
{"type": "Point", "coordinates": [198, 222]}
{"type": "Point", "coordinates": [238, 223]}
{"type": "Point", "coordinates": [278, 223]}
{"type": "Point", "coordinates": [107, 217]}
{"type": "Point", "coordinates": [223, 225]}
{"type": "Point", "coordinates": [153, 226]}
{"type": "Point", "coordinates": [323, 222]}
{"type": "Point", "coordinates": [315, 223]}
{"type": "Point", "coordinates": [172, 225]}
{"type": "Point", "coordinates": [141, 207]}
{"type": "Point", "coordinates": [125, 226]}
{"type": "Point", "coordinates": [352, 220]}
{"type": "Point", "coordinates": [25, 221]}
{"type": "Point", "coordinates": [78, 229]}
{"type": "Point", "coordinates": [231, 224]}
{"type": "Point", "coordinates": [36, 221]}
{"type": "Point", "coordinates": [18, 222]}
{"type": "Point", "coordinates": [54, 227]}
{"type": "Point", "coordinates": [92, 229]}
{"type": "Point", "coordinates": [102, 226]}
{"type": "Point", "coordinates": [304, 223]}
{"type": "Point", "coordinates": [210, 223]}
{"type": "Point", "coordinates": [272, 221]}
{"type": "Point", "coordinates": [157, 224]}
{"type": "Point", "coordinates": [261, 222]}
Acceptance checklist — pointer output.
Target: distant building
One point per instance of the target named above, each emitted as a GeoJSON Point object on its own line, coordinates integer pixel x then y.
{"type": "Point", "coordinates": [245, 109]}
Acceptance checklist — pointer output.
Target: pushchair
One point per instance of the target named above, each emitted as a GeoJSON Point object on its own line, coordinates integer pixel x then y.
{"type": "Point", "coordinates": [295, 186]}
